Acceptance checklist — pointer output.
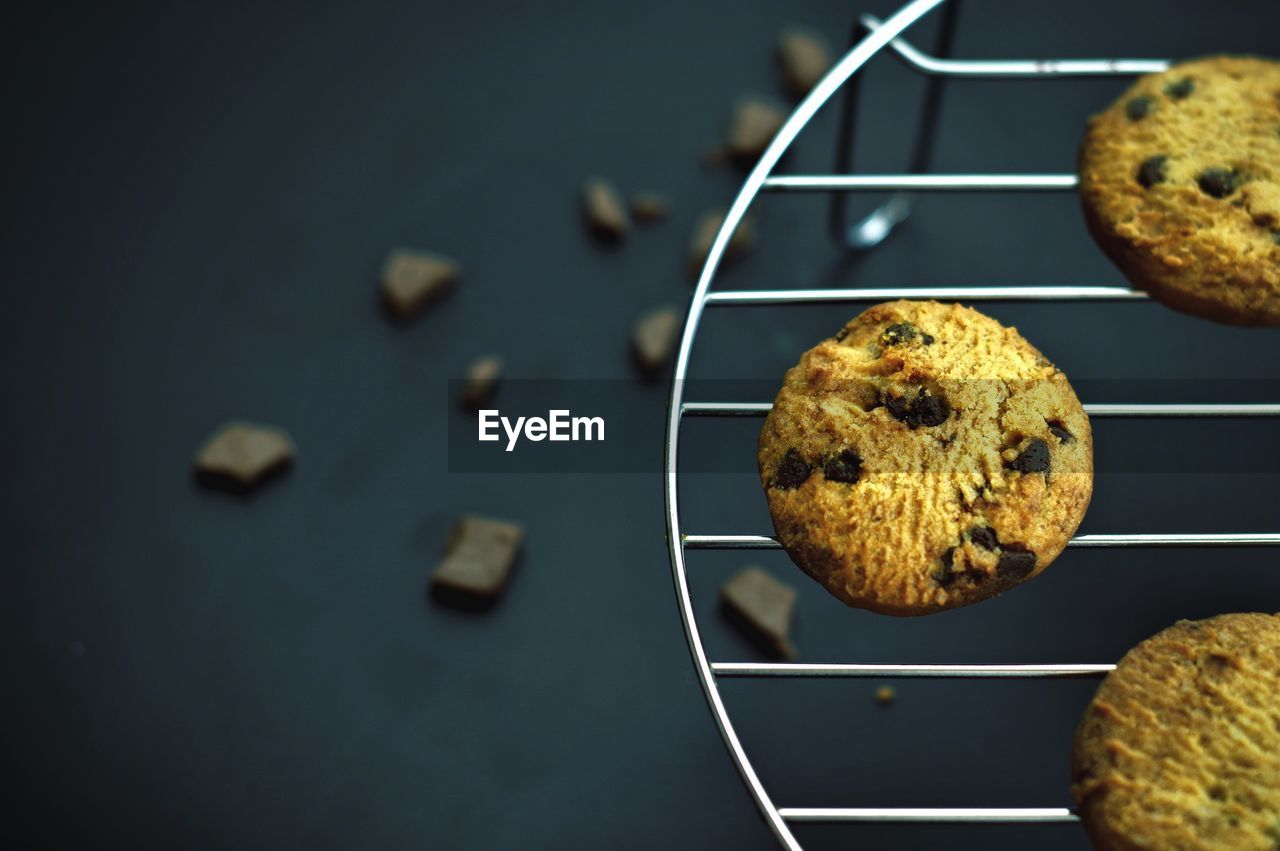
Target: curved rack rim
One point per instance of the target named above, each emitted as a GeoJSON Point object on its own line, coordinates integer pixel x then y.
{"type": "Point", "coordinates": [819, 95]}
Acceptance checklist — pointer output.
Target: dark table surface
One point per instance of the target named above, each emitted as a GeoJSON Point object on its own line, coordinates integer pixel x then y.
{"type": "Point", "coordinates": [199, 199]}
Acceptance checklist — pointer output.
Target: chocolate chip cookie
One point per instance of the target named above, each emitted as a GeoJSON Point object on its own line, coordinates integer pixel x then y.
{"type": "Point", "coordinates": [1180, 183]}
{"type": "Point", "coordinates": [924, 458]}
{"type": "Point", "coordinates": [1180, 747]}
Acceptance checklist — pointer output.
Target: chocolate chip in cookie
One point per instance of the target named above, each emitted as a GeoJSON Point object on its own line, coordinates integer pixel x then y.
{"type": "Point", "coordinates": [844, 467]}
{"type": "Point", "coordinates": [1218, 182]}
{"type": "Point", "coordinates": [1058, 430]}
{"type": "Point", "coordinates": [792, 472]}
{"type": "Point", "coordinates": [944, 575]}
{"type": "Point", "coordinates": [1015, 562]}
{"type": "Point", "coordinates": [925, 409]}
{"type": "Point", "coordinates": [1151, 171]}
{"type": "Point", "coordinates": [899, 333]}
{"type": "Point", "coordinates": [1180, 89]}
{"type": "Point", "coordinates": [1034, 458]}
{"type": "Point", "coordinates": [1138, 108]}
{"type": "Point", "coordinates": [985, 537]}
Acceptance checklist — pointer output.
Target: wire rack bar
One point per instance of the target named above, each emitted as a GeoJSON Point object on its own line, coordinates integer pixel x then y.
{"type": "Point", "coordinates": [970, 672]}
{"type": "Point", "coordinates": [1007, 69]}
{"type": "Point", "coordinates": [1249, 409]}
{"type": "Point", "coordinates": [921, 182]}
{"type": "Point", "coordinates": [1145, 541]}
{"type": "Point", "coordinates": [940, 815]}
{"type": "Point", "coordinates": [867, 294]}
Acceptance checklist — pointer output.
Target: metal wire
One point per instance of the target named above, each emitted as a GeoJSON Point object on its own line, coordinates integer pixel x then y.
{"type": "Point", "coordinates": [879, 36]}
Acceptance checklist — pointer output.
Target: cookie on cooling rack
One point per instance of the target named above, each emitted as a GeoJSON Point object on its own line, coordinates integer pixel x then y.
{"type": "Point", "coordinates": [1180, 182]}
{"type": "Point", "coordinates": [1180, 747]}
{"type": "Point", "coordinates": [926, 457]}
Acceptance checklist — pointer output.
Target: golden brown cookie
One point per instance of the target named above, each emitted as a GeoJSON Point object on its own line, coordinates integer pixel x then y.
{"type": "Point", "coordinates": [1180, 748]}
{"type": "Point", "coordinates": [926, 457]}
{"type": "Point", "coordinates": [1180, 183]}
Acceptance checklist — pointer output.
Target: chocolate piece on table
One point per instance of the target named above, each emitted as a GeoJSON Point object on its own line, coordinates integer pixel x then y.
{"type": "Point", "coordinates": [477, 559]}
{"type": "Point", "coordinates": [604, 211]}
{"type": "Point", "coordinates": [752, 127]}
{"type": "Point", "coordinates": [714, 156]}
{"type": "Point", "coordinates": [240, 455]}
{"type": "Point", "coordinates": [649, 207]}
{"type": "Point", "coordinates": [412, 279]}
{"type": "Point", "coordinates": [482, 378]}
{"type": "Point", "coordinates": [654, 337]}
{"type": "Point", "coordinates": [761, 606]}
{"type": "Point", "coordinates": [704, 233]}
{"type": "Point", "coordinates": [804, 58]}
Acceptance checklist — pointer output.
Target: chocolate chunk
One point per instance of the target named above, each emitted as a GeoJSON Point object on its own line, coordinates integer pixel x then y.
{"type": "Point", "coordinates": [413, 279]}
{"type": "Point", "coordinates": [793, 471]}
{"type": "Point", "coordinates": [478, 558]}
{"type": "Point", "coordinates": [845, 467]}
{"type": "Point", "coordinates": [985, 537]}
{"type": "Point", "coordinates": [1032, 459]}
{"type": "Point", "coordinates": [1218, 182]}
{"type": "Point", "coordinates": [1138, 108]}
{"type": "Point", "coordinates": [754, 123]}
{"type": "Point", "coordinates": [804, 59]}
{"type": "Point", "coordinates": [1151, 171]}
{"type": "Point", "coordinates": [927, 339]}
{"type": "Point", "coordinates": [1180, 89]}
{"type": "Point", "coordinates": [761, 606]}
{"type": "Point", "coordinates": [842, 333]}
{"type": "Point", "coordinates": [603, 210]}
{"type": "Point", "coordinates": [482, 377]}
{"type": "Point", "coordinates": [944, 575]}
{"type": "Point", "coordinates": [241, 455]}
{"type": "Point", "coordinates": [897, 334]}
{"type": "Point", "coordinates": [649, 207]}
{"type": "Point", "coordinates": [654, 336]}
{"type": "Point", "coordinates": [1015, 562]}
{"type": "Point", "coordinates": [704, 234]}
{"type": "Point", "coordinates": [925, 409]}
{"type": "Point", "coordinates": [1059, 431]}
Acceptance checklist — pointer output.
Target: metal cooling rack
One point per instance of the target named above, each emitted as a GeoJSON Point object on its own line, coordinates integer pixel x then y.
{"type": "Point", "coordinates": [872, 37]}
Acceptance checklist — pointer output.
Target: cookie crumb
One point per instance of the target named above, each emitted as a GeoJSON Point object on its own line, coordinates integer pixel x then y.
{"type": "Point", "coordinates": [412, 279]}
{"type": "Point", "coordinates": [649, 207]}
{"type": "Point", "coordinates": [654, 337]}
{"type": "Point", "coordinates": [761, 607]}
{"type": "Point", "coordinates": [704, 234]}
{"type": "Point", "coordinates": [754, 123]}
{"type": "Point", "coordinates": [482, 377]}
{"type": "Point", "coordinates": [885, 695]}
{"type": "Point", "coordinates": [605, 214]}
{"type": "Point", "coordinates": [242, 455]}
{"type": "Point", "coordinates": [714, 156]}
{"type": "Point", "coordinates": [803, 57]}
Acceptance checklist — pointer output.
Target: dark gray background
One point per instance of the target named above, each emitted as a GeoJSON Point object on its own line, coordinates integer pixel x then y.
{"type": "Point", "coordinates": [198, 201]}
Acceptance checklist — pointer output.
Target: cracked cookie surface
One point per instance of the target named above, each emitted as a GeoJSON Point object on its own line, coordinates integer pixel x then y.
{"type": "Point", "coordinates": [924, 458]}
{"type": "Point", "coordinates": [1180, 747]}
{"type": "Point", "coordinates": [1180, 184]}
